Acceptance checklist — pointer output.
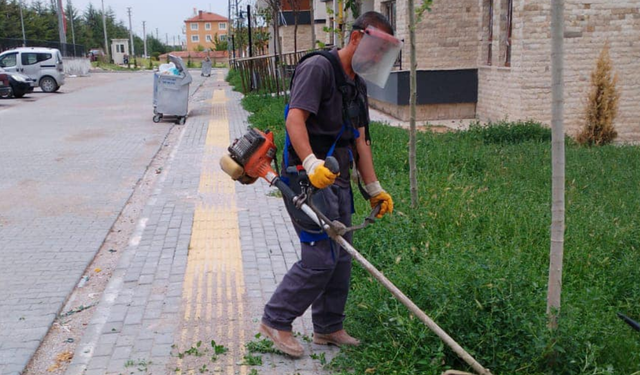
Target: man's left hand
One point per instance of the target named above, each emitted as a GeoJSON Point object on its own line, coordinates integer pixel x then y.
{"type": "Point", "coordinates": [381, 197]}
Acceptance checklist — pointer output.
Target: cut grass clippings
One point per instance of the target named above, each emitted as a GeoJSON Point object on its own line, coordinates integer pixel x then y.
{"type": "Point", "coordinates": [475, 254]}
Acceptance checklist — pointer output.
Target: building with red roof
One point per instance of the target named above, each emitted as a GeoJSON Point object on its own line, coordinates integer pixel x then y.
{"type": "Point", "coordinates": [203, 28]}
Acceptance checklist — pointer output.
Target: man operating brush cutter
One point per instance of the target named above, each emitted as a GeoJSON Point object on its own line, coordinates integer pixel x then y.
{"type": "Point", "coordinates": [327, 125]}
{"type": "Point", "coordinates": [328, 116]}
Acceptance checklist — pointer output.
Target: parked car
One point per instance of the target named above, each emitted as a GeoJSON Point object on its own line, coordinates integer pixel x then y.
{"type": "Point", "coordinates": [19, 84]}
{"type": "Point", "coordinates": [95, 54]}
{"type": "Point", "coordinates": [44, 65]}
{"type": "Point", "coordinates": [5, 87]}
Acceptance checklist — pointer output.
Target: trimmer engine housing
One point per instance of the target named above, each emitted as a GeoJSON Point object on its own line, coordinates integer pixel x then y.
{"type": "Point", "coordinates": [253, 153]}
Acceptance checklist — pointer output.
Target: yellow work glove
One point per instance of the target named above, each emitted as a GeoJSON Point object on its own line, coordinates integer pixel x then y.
{"type": "Point", "coordinates": [379, 196]}
{"type": "Point", "coordinates": [319, 175]}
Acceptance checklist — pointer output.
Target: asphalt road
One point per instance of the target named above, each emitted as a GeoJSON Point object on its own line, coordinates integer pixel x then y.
{"type": "Point", "coordinates": [68, 163]}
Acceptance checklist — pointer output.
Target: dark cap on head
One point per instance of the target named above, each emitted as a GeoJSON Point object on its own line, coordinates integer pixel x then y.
{"type": "Point", "coordinates": [374, 19]}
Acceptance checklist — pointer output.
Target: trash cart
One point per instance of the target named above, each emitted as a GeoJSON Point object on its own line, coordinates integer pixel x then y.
{"type": "Point", "coordinates": [171, 92]}
{"type": "Point", "coordinates": [206, 68]}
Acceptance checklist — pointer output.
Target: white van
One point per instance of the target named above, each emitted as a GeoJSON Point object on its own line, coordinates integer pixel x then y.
{"type": "Point", "coordinates": [44, 65]}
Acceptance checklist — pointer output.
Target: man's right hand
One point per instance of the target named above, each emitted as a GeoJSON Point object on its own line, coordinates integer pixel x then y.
{"type": "Point", "coordinates": [319, 175]}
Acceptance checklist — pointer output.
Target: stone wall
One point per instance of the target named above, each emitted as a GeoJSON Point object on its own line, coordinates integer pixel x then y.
{"type": "Point", "coordinates": [304, 37]}
{"type": "Point", "coordinates": [427, 112]}
{"type": "Point", "coordinates": [446, 38]}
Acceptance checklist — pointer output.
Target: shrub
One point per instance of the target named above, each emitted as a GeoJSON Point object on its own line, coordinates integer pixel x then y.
{"type": "Point", "coordinates": [510, 132]}
{"type": "Point", "coordinates": [602, 104]}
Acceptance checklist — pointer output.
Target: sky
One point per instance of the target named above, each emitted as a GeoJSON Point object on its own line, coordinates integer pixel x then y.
{"type": "Point", "coordinates": [167, 16]}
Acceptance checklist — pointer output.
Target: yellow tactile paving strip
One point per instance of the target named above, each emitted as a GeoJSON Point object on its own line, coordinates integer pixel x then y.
{"type": "Point", "coordinates": [214, 290]}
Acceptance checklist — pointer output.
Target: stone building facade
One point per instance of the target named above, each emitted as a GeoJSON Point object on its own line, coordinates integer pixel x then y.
{"type": "Point", "coordinates": [491, 59]}
{"type": "Point", "coordinates": [508, 44]}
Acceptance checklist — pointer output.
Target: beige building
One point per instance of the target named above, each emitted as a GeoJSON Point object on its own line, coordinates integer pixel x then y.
{"type": "Point", "coordinates": [491, 59]}
{"type": "Point", "coordinates": [506, 45]}
{"type": "Point", "coordinates": [203, 28]}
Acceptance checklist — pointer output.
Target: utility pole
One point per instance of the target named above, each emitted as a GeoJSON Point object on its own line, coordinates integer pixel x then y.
{"type": "Point", "coordinates": [144, 32]}
{"type": "Point", "coordinates": [73, 32]}
{"type": "Point", "coordinates": [24, 35]}
{"type": "Point", "coordinates": [104, 29]}
{"type": "Point", "coordinates": [133, 49]}
{"type": "Point", "coordinates": [61, 28]}
{"type": "Point", "coordinates": [166, 39]}
{"type": "Point", "coordinates": [174, 40]}
{"type": "Point", "coordinates": [157, 35]}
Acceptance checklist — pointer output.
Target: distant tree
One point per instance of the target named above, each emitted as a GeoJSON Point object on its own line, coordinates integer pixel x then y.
{"type": "Point", "coordinates": [220, 45]}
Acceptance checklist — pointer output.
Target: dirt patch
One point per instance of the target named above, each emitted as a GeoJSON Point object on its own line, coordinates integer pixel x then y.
{"type": "Point", "coordinates": [54, 354]}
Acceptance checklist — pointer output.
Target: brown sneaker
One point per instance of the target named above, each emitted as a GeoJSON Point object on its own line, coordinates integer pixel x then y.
{"type": "Point", "coordinates": [283, 340]}
{"type": "Point", "coordinates": [338, 338]}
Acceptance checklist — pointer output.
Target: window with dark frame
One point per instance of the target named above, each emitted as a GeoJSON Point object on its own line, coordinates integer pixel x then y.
{"type": "Point", "coordinates": [390, 12]}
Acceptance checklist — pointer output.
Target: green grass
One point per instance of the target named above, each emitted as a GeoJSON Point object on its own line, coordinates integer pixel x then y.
{"type": "Point", "coordinates": [474, 256]}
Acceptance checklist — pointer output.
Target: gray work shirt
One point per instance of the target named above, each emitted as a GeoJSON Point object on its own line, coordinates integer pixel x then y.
{"type": "Point", "coordinates": [314, 90]}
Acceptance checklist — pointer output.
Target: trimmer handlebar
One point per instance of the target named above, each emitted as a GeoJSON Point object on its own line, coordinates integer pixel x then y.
{"type": "Point", "coordinates": [332, 164]}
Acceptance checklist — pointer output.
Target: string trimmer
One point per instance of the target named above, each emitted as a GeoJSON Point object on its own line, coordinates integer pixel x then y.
{"type": "Point", "coordinates": [250, 158]}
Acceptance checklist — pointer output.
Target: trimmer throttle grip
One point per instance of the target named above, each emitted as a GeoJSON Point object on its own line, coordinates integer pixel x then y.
{"type": "Point", "coordinates": [285, 189]}
{"type": "Point", "coordinates": [332, 164]}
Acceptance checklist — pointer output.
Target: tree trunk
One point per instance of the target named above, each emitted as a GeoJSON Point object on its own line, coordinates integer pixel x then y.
{"type": "Point", "coordinates": [295, 31]}
{"type": "Point", "coordinates": [558, 164]}
{"type": "Point", "coordinates": [412, 100]}
{"type": "Point", "coordinates": [313, 24]}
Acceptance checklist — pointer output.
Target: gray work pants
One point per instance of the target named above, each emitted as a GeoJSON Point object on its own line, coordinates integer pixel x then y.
{"type": "Point", "coordinates": [320, 279]}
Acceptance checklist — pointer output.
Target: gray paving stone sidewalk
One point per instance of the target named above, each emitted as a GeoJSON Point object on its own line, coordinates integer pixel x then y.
{"type": "Point", "coordinates": [148, 311]}
{"type": "Point", "coordinates": [68, 164]}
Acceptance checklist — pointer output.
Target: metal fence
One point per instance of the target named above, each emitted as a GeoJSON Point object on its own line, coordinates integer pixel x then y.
{"type": "Point", "coordinates": [267, 73]}
{"type": "Point", "coordinates": [66, 49]}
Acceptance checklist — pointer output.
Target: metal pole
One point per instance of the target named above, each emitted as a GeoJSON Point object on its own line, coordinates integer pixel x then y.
{"type": "Point", "coordinates": [144, 32]}
{"type": "Point", "coordinates": [229, 46]}
{"type": "Point", "coordinates": [157, 35]}
{"type": "Point", "coordinates": [249, 29]}
{"type": "Point", "coordinates": [238, 27]}
{"type": "Point", "coordinates": [166, 38]}
{"type": "Point", "coordinates": [104, 29]}
{"type": "Point", "coordinates": [24, 35]}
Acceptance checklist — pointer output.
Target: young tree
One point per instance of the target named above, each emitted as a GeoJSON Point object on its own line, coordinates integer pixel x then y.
{"type": "Point", "coordinates": [412, 14]}
{"type": "Point", "coordinates": [295, 8]}
{"type": "Point", "coordinates": [558, 164]}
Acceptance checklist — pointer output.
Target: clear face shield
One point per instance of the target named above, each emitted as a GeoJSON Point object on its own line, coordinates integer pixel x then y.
{"type": "Point", "coordinates": [375, 56]}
